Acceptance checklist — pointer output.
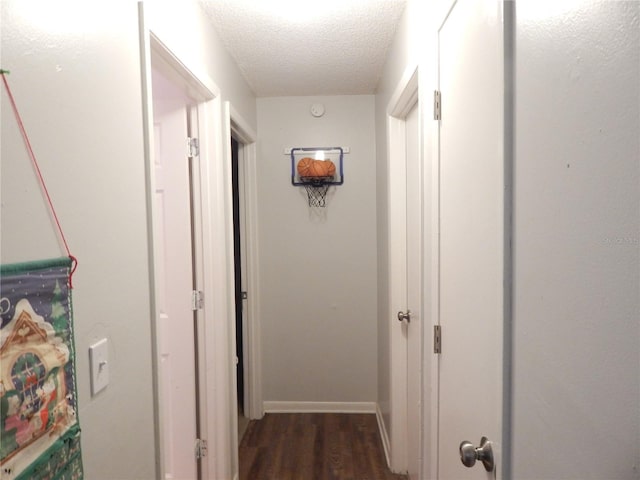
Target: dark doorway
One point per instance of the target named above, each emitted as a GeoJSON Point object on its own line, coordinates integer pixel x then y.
{"type": "Point", "coordinates": [238, 273]}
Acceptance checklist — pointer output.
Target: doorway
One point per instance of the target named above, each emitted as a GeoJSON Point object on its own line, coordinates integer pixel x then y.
{"type": "Point", "coordinates": [239, 263]}
{"type": "Point", "coordinates": [182, 441]}
{"type": "Point", "coordinates": [174, 234]}
{"type": "Point", "coordinates": [178, 274]}
{"type": "Point", "coordinates": [243, 186]}
{"type": "Point", "coordinates": [245, 391]}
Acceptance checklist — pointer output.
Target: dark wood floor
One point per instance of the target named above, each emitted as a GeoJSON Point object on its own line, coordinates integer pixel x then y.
{"type": "Point", "coordinates": [313, 446]}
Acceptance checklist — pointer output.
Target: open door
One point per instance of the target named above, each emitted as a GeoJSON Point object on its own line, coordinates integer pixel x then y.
{"type": "Point", "coordinates": [241, 293]}
{"type": "Point", "coordinates": [472, 249]}
{"type": "Point", "coordinates": [175, 270]}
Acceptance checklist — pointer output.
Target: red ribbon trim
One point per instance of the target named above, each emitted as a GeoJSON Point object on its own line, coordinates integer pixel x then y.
{"type": "Point", "coordinates": [32, 156]}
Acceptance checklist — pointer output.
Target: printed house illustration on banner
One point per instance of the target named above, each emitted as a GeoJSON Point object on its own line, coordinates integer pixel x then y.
{"type": "Point", "coordinates": [33, 387]}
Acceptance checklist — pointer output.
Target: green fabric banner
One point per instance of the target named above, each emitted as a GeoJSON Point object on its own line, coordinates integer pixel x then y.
{"type": "Point", "coordinates": [39, 429]}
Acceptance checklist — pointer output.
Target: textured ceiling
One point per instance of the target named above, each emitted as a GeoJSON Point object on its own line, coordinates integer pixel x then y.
{"type": "Point", "coordinates": [319, 47]}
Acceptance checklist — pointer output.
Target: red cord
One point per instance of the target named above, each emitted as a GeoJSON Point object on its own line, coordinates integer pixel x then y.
{"type": "Point", "coordinates": [74, 260]}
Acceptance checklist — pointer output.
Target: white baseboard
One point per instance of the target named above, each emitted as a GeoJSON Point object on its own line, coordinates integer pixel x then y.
{"type": "Point", "coordinates": [319, 407]}
{"type": "Point", "coordinates": [383, 435]}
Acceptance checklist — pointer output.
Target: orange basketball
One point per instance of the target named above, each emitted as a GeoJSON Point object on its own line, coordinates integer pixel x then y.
{"type": "Point", "coordinates": [318, 168]}
{"type": "Point", "coordinates": [331, 168]}
{"type": "Point", "coordinates": [304, 167]}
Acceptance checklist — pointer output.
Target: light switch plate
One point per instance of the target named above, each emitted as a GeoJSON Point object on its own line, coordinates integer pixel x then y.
{"type": "Point", "coordinates": [99, 361]}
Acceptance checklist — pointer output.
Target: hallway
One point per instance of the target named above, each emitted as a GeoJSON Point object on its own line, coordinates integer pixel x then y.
{"type": "Point", "coordinates": [318, 446]}
{"type": "Point", "coordinates": [325, 333]}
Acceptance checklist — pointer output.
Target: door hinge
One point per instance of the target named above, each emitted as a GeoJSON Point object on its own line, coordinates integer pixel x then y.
{"type": "Point", "coordinates": [197, 300]}
{"type": "Point", "coordinates": [193, 147]}
{"type": "Point", "coordinates": [244, 295]}
{"type": "Point", "coordinates": [437, 105]}
{"type": "Point", "coordinates": [201, 448]}
{"type": "Point", "coordinates": [437, 339]}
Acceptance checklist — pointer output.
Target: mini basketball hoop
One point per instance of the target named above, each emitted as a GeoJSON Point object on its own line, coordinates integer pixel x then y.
{"type": "Point", "coordinates": [316, 185]}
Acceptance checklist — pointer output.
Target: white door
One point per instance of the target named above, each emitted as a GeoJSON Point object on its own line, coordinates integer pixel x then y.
{"type": "Point", "coordinates": [414, 288]}
{"type": "Point", "coordinates": [176, 331]}
{"type": "Point", "coordinates": [405, 240]}
{"type": "Point", "coordinates": [471, 234]}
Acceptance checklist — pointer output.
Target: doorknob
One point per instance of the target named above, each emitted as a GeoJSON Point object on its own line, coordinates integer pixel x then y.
{"type": "Point", "coordinates": [404, 316]}
{"type": "Point", "coordinates": [469, 454]}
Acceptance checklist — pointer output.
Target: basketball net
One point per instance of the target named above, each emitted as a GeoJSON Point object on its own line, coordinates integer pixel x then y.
{"type": "Point", "coordinates": [317, 194]}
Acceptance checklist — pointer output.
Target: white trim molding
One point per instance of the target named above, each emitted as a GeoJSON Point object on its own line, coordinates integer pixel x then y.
{"type": "Point", "coordinates": [319, 407]}
{"type": "Point", "coordinates": [384, 436]}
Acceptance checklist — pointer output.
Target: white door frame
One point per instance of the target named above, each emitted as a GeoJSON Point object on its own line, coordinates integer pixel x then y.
{"type": "Point", "coordinates": [402, 101]}
{"type": "Point", "coordinates": [212, 249]}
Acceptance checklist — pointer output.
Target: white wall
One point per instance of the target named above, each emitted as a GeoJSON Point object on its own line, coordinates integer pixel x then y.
{"type": "Point", "coordinates": [393, 70]}
{"type": "Point", "coordinates": [577, 241]}
{"type": "Point", "coordinates": [78, 88]}
{"type": "Point", "coordinates": [397, 62]}
{"type": "Point", "coordinates": [76, 79]}
{"type": "Point", "coordinates": [317, 269]}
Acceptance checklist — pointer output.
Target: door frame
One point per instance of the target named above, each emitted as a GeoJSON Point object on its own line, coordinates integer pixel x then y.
{"type": "Point", "coordinates": [404, 98]}
{"type": "Point", "coordinates": [210, 245]}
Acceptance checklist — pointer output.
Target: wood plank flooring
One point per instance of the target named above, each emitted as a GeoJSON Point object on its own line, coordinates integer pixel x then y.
{"type": "Point", "coordinates": [313, 446]}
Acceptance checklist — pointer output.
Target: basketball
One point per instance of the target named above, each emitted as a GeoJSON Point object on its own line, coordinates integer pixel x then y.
{"type": "Point", "coordinates": [318, 168]}
{"type": "Point", "coordinates": [331, 168]}
{"type": "Point", "coordinates": [304, 167]}
{"type": "Point", "coordinates": [308, 167]}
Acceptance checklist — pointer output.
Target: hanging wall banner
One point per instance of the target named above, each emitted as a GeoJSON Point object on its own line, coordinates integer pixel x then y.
{"type": "Point", "coordinates": [39, 430]}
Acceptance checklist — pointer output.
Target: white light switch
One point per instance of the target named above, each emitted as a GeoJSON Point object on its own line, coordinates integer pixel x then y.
{"type": "Point", "coordinates": [99, 361]}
